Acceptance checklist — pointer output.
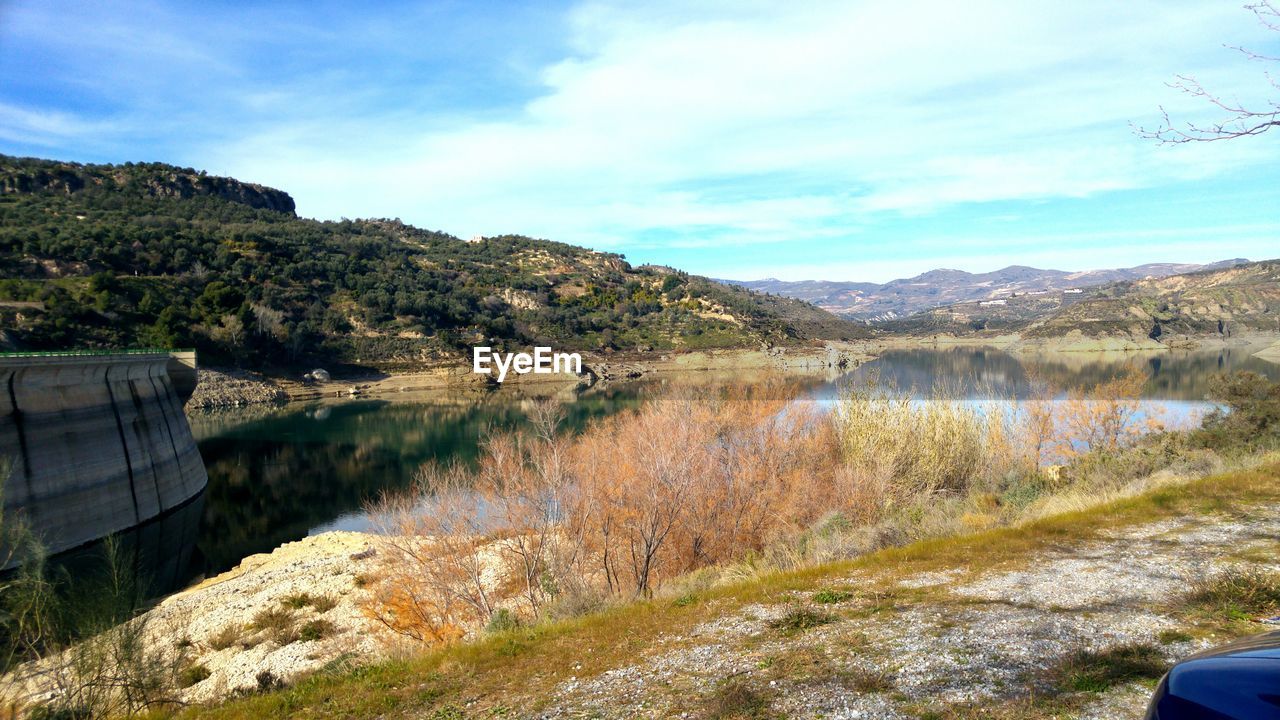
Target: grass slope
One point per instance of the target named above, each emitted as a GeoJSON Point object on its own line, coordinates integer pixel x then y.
{"type": "Point", "coordinates": [513, 673]}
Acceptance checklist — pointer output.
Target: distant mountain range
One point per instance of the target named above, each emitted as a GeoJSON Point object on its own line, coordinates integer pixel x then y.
{"type": "Point", "coordinates": [875, 303]}
{"type": "Point", "coordinates": [1232, 302]}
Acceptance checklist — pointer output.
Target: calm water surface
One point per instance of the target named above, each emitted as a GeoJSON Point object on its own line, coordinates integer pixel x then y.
{"type": "Point", "coordinates": [278, 475]}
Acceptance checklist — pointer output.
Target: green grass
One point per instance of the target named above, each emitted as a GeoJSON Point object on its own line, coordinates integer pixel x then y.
{"type": "Point", "coordinates": [830, 597]}
{"type": "Point", "coordinates": [799, 618]}
{"type": "Point", "coordinates": [487, 673]}
{"type": "Point", "coordinates": [1099, 671]}
{"type": "Point", "coordinates": [685, 600]}
{"type": "Point", "coordinates": [1238, 594]}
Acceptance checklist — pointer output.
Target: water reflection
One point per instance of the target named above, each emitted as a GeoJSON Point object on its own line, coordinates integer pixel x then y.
{"type": "Point", "coordinates": [159, 555]}
{"type": "Point", "coordinates": [978, 373]}
{"type": "Point", "coordinates": [282, 474]}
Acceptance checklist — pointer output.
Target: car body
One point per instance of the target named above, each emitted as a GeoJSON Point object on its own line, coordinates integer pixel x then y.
{"type": "Point", "coordinates": [1237, 681]}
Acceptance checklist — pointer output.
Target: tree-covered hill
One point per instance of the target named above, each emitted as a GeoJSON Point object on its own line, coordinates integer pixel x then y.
{"type": "Point", "coordinates": [104, 256]}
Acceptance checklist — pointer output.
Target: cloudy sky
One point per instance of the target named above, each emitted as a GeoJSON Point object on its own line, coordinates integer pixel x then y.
{"type": "Point", "coordinates": [832, 140]}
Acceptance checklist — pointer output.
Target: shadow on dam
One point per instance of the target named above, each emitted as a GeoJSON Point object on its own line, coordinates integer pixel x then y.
{"type": "Point", "coordinates": [157, 557]}
{"type": "Point", "coordinates": [96, 445]}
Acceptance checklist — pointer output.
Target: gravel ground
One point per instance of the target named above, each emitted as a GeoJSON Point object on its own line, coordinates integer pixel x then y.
{"type": "Point", "coordinates": [963, 639]}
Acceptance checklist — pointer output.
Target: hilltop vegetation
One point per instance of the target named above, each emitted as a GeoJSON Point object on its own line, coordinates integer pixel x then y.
{"type": "Point", "coordinates": [1239, 300]}
{"type": "Point", "coordinates": [111, 256]}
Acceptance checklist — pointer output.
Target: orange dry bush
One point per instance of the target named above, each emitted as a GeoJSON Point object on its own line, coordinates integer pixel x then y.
{"type": "Point", "coordinates": [1105, 417]}
{"type": "Point", "coordinates": [401, 605]}
{"type": "Point", "coordinates": [435, 558]}
{"type": "Point", "coordinates": [638, 473]}
{"type": "Point", "coordinates": [466, 541]}
{"type": "Point", "coordinates": [1037, 420]}
{"type": "Point", "coordinates": [681, 484]}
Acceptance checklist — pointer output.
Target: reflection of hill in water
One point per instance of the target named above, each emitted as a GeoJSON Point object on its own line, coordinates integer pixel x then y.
{"type": "Point", "coordinates": [969, 372]}
{"type": "Point", "coordinates": [977, 372]}
{"type": "Point", "coordinates": [278, 474]}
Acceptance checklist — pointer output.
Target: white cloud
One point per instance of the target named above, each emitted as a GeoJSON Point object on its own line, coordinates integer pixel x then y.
{"type": "Point", "coordinates": [49, 127]}
{"type": "Point", "coordinates": [734, 123]}
{"type": "Point", "coordinates": [885, 107]}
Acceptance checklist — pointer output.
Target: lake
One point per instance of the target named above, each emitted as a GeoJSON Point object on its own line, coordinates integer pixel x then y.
{"type": "Point", "coordinates": [279, 474]}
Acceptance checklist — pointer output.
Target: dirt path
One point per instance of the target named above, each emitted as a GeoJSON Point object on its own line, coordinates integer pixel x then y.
{"type": "Point", "coordinates": [955, 643]}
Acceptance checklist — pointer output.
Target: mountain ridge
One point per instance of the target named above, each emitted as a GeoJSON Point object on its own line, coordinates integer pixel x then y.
{"type": "Point", "coordinates": [880, 302]}
{"type": "Point", "coordinates": [1215, 302]}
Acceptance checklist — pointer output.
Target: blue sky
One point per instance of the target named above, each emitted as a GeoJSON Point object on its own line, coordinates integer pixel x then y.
{"type": "Point", "coordinates": [831, 140]}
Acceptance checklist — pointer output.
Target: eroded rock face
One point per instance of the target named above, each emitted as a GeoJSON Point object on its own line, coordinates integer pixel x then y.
{"type": "Point", "coordinates": [183, 185]}
{"type": "Point", "coordinates": [149, 179]}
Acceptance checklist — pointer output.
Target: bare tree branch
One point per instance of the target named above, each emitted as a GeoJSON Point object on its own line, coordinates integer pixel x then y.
{"type": "Point", "coordinates": [1241, 120]}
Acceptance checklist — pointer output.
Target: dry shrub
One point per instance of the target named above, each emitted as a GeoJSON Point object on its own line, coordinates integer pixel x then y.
{"type": "Point", "coordinates": [678, 485]}
{"type": "Point", "coordinates": [467, 540]}
{"type": "Point", "coordinates": [742, 479]}
{"type": "Point", "coordinates": [278, 623]}
{"type": "Point", "coordinates": [1104, 418]}
{"type": "Point", "coordinates": [737, 699]}
{"type": "Point", "coordinates": [228, 636]}
{"type": "Point", "coordinates": [1037, 421]}
{"type": "Point", "coordinates": [408, 612]}
{"type": "Point", "coordinates": [906, 447]}
{"type": "Point", "coordinates": [799, 618]}
{"type": "Point", "coordinates": [433, 568]}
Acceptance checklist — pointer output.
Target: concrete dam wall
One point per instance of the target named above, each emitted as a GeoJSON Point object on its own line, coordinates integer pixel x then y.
{"type": "Point", "coordinates": [96, 444]}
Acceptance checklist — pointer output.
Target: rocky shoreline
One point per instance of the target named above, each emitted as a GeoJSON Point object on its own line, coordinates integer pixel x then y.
{"type": "Point", "coordinates": [220, 388]}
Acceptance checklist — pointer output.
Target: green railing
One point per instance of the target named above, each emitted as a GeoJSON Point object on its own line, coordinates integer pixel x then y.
{"type": "Point", "coordinates": [92, 353]}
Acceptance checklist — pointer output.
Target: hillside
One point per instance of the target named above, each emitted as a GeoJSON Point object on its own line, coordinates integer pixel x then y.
{"type": "Point", "coordinates": [108, 256]}
{"type": "Point", "coordinates": [872, 302]}
{"type": "Point", "coordinates": [1238, 300]}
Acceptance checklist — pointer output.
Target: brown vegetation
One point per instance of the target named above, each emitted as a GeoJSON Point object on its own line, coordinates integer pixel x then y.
{"type": "Point", "coordinates": [548, 524]}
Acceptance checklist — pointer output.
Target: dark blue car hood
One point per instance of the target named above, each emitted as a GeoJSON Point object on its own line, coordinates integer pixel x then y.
{"type": "Point", "coordinates": [1258, 646]}
{"type": "Point", "coordinates": [1237, 681]}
